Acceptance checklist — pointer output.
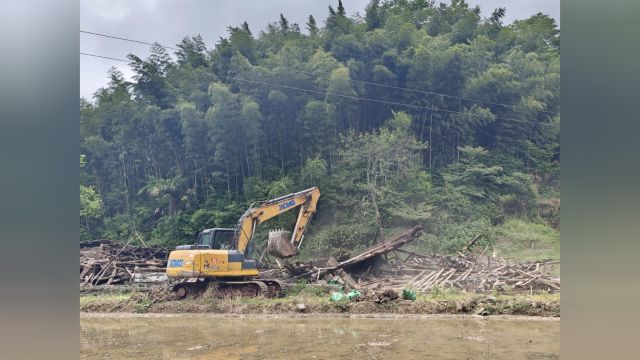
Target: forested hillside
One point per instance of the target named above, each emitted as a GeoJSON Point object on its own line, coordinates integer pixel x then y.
{"type": "Point", "coordinates": [414, 112]}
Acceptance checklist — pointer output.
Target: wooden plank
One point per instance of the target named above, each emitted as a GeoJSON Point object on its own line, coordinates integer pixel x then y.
{"type": "Point", "coordinates": [85, 270]}
{"type": "Point", "coordinates": [348, 279]}
{"type": "Point", "coordinates": [527, 273]}
{"type": "Point", "coordinates": [113, 273]}
{"type": "Point", "coordinates": [427, 284]}
{"type": "Point", "coordinates": [546, 282]}
{"type": "Point", "coordinates": [88, 279]}
{"type": "Point", "coordinates": [419, 283]}
{"type": "Point", "coordinates": [100, 275]}
{"type": "Point", "coordinates": [376, 281]}
{"type": "Point", "coordinates": [468, 273]}
{"type": "Point", "coordinates": [344, 275]}
{"type": "Point", "coordinates": [416, 278]}
{"type": "Point", "coordinates": [462, 275]}
{"type": "Point", "coordinates": [140, 239]}
{"type": "Point", "coordinates": [445, 276]}
{"type": "Point", "coordinates": [364, 277]}
{"type": "Point", "coordinates": [112, 259]}
{"type": "Point", "coordinates": [453, 271]}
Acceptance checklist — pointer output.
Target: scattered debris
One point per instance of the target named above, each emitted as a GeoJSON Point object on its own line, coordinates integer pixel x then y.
{"type": "Point", "coordinates": [422, 272]}
{"type": "Point", "coordinates": [105, 262]}
{"type": "Point", "coordinates": [383, 272]}
{"type": "Point", "coordinates": [385, 296]}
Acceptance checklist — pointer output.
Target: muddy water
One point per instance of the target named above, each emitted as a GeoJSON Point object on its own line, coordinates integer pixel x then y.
{"type": "Point", "coordinates": [210, 337]}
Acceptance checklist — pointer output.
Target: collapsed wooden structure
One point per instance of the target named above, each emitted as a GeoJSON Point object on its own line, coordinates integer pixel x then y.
{"type": "Point", "coordinates": [383, 266]}
{"type": "Point", "coordinates": [470, 273]}
{"type": "Point", "coordinates": [105, 262]}
{"type": "Point", "coordinates": [424, 272]}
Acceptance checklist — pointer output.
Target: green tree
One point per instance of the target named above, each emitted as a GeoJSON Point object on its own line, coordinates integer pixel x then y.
{"type": "Point", "coordinates": [193, 52]}
{"type": "Point", "coordinates": [90, 206]}
{"type": "Point", "coordinates": [151, 84]}
{"type": "Point", "coordinates": [169, 194]}
{"type": "Point", "coordinates": [371, 163]}
{"type": "Point", "coordinates": [373, 15]}
{"type": "Point", "coordinates": [312, 27]}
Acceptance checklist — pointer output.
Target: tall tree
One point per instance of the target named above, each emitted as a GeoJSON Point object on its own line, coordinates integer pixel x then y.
{"type": "Point", "coordinates": [312, 27]}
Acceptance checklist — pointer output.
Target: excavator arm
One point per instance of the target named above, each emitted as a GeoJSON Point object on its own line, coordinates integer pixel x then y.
{"type": "Point", "coordinates": [306, 200]}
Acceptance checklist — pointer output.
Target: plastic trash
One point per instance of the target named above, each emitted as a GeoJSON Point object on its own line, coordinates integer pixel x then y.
{"type": "Point", "coordinates": [409, 294]}
{"type": "Point", "coordinates": [353, 294]}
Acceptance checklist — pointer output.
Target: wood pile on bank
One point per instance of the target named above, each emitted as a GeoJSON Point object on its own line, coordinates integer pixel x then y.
{"type": "Point", "coordinates": [105, 262]}
{"type": "Point", "coordinates": [387, 266]}
{"type": "Point", "coordinates": [383, 266]}
{"type": "Point", "coordinates": [468, 273]}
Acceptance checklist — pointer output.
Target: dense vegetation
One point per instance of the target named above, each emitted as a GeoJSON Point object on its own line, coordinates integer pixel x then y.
{"type": "Point", "coordinates": [197, 137]}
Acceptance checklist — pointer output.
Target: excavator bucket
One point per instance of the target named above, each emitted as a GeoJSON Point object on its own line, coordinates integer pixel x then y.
{"type": "Point", "coordinates": [279, 244]}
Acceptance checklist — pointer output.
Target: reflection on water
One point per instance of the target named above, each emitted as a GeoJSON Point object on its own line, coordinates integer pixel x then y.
{"type": "Point", "coordinates": [205, 337]}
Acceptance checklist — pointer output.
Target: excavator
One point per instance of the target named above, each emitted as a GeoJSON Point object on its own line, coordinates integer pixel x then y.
{"type": "Point", "coordinates": [222, 255]}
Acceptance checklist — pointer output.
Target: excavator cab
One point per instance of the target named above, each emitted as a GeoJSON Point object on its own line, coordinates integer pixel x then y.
{"type": "Point", "coordinates": [216, 239]}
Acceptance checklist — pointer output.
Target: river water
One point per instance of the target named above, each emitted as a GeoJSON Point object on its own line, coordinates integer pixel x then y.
{"type": "Point", "coordinates": [280, 337]}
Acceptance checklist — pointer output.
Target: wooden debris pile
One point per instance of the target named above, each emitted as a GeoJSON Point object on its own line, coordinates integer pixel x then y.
{"type": "Point", "coordinates": [383, 266]}
{"type": "Point", "coordinates": [105, 262]}
{"type": "Point", "coordinates": [468, 273]}
{"type": "Point", "coordinates": [319, 269]}
{"type": "Point", "coordinates": [387, 266]}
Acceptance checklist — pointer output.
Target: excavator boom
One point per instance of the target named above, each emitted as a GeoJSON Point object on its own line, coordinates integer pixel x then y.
{"type": "Point", "coordinates": [306, 200]}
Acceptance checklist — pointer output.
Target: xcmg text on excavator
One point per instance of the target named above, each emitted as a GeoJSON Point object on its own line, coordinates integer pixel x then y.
{"type": "Point", "coordinates": [221, 255]}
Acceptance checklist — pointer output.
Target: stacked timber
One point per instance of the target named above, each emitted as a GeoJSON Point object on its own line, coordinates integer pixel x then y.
{"type": "Point", "coordinates": [468, 273]}
{"type": "Point", "coordinates": [105, 262]}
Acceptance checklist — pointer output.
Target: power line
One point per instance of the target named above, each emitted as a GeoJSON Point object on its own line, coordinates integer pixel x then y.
{"type": "Point", "coordinates": [130, 40]}
{"type": "Point", "coordinates": [389, 102]}
{"type": "Point", "coordinates": [439, 94]}
{"type": "Point", "coordinates": [362, 98]}
{"type": "Point", "coordinates": [104, 57]}
{"type": "Point", "coordinates": [361, 81]}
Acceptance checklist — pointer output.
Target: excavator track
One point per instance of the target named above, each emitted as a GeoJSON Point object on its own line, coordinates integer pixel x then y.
{"type": "Point", "coordinates": [248, 288]}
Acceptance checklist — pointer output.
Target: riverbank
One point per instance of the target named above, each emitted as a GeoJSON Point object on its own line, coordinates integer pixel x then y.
{"type": "Point", "coordinates": [440, 302]}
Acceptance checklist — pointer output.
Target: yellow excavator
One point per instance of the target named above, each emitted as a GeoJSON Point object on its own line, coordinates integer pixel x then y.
{"type": "Point", "coordinates": [221, 255]}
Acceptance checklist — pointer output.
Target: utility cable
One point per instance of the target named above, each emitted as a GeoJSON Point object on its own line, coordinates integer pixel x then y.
{"type": "Point", "coordinates": [130, 40]}
{"type": "Point", "coordinates": [104, 57]}
{"type": "Point", "coordinates": [389, 102]}
{"type": "Point", "coordinates": [359, 81]}
{"type": "Point", "coordinates": [363, 98]}
{"type": "Point", "coordinates": [435, 93]}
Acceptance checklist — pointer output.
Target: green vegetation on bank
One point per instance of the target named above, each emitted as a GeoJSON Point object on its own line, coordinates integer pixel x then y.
{"type": "Point", "coordinates": [439, 302]}
{"type": "Point", "coordinates": [199, 136]}
{"type": "Point", "coordinates": [521, 240]}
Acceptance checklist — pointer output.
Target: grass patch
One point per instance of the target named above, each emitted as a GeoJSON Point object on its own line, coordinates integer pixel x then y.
{"type": "Point", "coordinates": [88, 299]}
{"type": "Point", "coordinates": [524, 241]}
{"type": "Point", "coordinates": [438, 293]}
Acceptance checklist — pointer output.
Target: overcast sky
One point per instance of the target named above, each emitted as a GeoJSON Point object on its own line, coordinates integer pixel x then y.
{"type": "Point", "coordinates": [168, 21]}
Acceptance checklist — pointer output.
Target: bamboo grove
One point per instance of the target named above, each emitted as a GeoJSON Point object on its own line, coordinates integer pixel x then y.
{"type": "Point", "coordinates": [414, 112]}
